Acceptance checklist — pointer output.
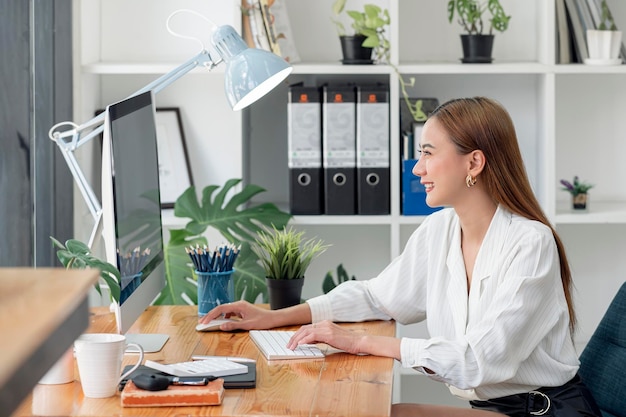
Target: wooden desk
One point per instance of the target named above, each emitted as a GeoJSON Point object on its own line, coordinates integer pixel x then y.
{"type": "Point", "coordinates": [41, 311]}
{"type": "Point", "coordinates": [340, 384]}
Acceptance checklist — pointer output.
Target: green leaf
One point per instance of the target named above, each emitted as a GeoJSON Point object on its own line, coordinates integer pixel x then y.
{"type": "Point", "coordinates": [329, 283]}
{"type": "Point", "coordinates": [372, 11]}
{"type": "Point", "coordinates": [180, 287]}
{"type": "Point", "coordinates": [249, 276]}
{"type": "Point", "coordinates": [77, 248]}
{"type": "Point", "coordinates": [338, 6]}
{"type": "Point", "coordinates": [371, 41]}
{"type": "Point", "coordinates": [234, 223]}
{"type": "Point", "coordinates": [77, 255]}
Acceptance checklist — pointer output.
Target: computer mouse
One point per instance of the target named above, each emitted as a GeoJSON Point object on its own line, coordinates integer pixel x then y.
{"type": "Point", "coordinates": [213, 325]}
{"type": "Point", "coordinates": [151, 382]}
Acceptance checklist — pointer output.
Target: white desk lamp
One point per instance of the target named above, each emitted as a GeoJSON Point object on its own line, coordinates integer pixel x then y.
{"type": "Point", "coordinates": [249, 75]}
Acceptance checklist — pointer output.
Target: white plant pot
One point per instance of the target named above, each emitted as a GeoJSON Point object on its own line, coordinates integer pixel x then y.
{"type": "Point", "coordinates": [604, 45]}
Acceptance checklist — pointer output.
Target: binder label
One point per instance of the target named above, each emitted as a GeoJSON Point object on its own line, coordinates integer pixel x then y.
{"type": "Point", "coordinates": [305, 136]}
{"type": "Point", "coordinates": [373, 135]}
{"type": "Point", "coordinates": [339, 135]}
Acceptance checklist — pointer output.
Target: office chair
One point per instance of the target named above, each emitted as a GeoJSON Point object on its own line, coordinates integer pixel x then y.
{"type": "Point", "coordinates": [603, 361]}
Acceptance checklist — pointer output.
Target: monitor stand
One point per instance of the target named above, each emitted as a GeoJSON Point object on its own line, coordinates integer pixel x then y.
{"type": "Point", "coordinates": [149, 342]}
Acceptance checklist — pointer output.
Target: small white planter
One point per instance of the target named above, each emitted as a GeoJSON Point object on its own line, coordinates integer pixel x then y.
{"type": "Point", "coordinates": [604, 47]}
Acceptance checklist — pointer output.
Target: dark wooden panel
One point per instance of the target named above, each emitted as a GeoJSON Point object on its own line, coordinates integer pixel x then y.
{"type": "Point", "coordinates": [36, 83]}
{"type": "Point", "coordinates": [63, 219]}
{"type": "Point", "coordinates": [16, 224]}
{"type": "Point", "coordinates": [52, 181]}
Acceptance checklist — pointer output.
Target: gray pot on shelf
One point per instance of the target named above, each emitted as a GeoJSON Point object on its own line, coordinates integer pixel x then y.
{"type": "Point", "coordinates": [477, 49]}
{"type": "Point", "coordinates": [354, 53]}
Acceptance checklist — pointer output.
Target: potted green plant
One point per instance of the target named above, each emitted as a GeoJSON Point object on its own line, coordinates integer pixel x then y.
{"type": "Point", "coordinates": [369, 28]}
{"type": "Point", "coordinates": [478, 46]}
{"type": "Point", "coordinates": [285, 256]}
{"type": "Point", "coordinates": [76, 254]}
{"type": "Point", "coordinates": [232, 214]}
{"type": "Point", "coordinates": [604, 42]}
{"type": "Point", "coordinates": [578, 190]}
{"type": "Point", "coordinates": [227, 211]}
{"type": "Point", "coordinates": [368, 36]}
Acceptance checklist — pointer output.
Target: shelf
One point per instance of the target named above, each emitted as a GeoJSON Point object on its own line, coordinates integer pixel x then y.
{"type": "Point", "coordinates": [338, 68]}
{"type": "Point", "coordinates": [459, 68]}
{"type": "Point", "coordinates": [589, 69]}
{"type": "Point", "coordinates": [599, 212]}
{"type": "Point", "coordinates": [342, 220]}
{"type": "Point", "coordinates": [129, 68]}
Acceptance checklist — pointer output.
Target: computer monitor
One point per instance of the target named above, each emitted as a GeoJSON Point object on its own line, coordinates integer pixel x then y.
{"type": "Point", "coordinates": [131, 210]}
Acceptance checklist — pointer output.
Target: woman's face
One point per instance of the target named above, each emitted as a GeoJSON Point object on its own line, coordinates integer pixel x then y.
{"type": "Point", "coordinates": [442, 170]}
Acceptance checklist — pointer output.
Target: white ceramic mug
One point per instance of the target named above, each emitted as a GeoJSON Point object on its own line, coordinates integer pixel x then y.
{"type": "Point", "coordinates": [99, 357]}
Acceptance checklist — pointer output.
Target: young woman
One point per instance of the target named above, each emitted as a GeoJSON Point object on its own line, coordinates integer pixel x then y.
{"type": "Point", "coordinates": [488, 272]}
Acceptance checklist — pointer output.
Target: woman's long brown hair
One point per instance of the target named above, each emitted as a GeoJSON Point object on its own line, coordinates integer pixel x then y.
{"type": "Point", "coordinates": [482, 123]}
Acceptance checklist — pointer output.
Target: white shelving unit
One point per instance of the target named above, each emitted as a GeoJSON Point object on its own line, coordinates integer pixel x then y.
{"type": "Point", "coordinates": [569, 120]}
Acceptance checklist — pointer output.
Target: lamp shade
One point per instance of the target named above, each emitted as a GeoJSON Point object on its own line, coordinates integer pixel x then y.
{"type": "Point", "coordinates": [250, 73]}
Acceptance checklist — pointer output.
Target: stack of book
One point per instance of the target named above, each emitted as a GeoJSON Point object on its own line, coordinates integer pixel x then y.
{"type": "Point", "coordinates": [266, 26]}
{"type": "Point", "coordinates": [574, 18]}
{"type": "Point", "coordinates": [181, 395]}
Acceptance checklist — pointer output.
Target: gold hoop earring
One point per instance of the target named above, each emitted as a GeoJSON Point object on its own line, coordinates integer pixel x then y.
{"type": "Point", "coordinates": [470, 181]}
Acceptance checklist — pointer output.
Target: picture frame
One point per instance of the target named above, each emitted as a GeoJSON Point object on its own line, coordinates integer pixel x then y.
{"type": "Point", "coordinates": [406, 120]}
{"type": "Point", "coordinates": [174, 168]}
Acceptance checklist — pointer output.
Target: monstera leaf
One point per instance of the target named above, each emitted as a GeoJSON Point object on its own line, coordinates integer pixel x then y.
{"type": "Point", "coordinates": [236, 225]}
{"type": "Point", "coordinates": [236, 222]}
{"type": "Point", "coordinates": [181, 287]}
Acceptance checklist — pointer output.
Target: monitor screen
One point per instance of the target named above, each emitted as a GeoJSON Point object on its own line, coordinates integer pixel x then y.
{"type": "Point", "coordinates": [131, 207]}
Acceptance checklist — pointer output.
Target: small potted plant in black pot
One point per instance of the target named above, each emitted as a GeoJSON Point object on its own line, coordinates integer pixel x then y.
{"type": "Point", "coordinates": [477, 46]}
{"type": "Point", "coordinates": [285, 256]}
{"type": "Point", "coordinates": [368, 36]}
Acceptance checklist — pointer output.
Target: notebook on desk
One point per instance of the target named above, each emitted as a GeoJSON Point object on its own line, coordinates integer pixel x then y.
{"type": "Point", "coordinates": [273, 345]}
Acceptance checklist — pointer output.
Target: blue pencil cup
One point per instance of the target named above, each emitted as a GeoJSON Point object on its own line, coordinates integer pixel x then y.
{"type": "Point", "coordinates": [214, 288]}
{"type": "Point", "coordinates": [128, 285]}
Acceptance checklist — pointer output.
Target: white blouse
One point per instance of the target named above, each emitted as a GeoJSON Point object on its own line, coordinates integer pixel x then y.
{"type": "Point", "coordinates": [510, 335]}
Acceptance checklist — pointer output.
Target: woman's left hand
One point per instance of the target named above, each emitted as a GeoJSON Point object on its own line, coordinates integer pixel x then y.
{"type": "Point", "coordinates": [329, 333]}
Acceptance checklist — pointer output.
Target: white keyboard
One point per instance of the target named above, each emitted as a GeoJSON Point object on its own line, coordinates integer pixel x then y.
{"type": "Point", "coordinates": [213, 366]}
{"type": "Point", "coordinates": [273, 344]}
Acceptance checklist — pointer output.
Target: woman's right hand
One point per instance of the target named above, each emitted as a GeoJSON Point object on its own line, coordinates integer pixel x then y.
{"type": "Point", "coordinates": [247, 316]}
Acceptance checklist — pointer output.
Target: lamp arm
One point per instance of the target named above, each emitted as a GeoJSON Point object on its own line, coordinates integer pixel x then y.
{"type": "Point", "coordinates": [203, 58]}
{"type": "Point", "coordinates": [70, 140]}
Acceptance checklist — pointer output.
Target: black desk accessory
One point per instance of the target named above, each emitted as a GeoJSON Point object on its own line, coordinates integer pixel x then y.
{"type": "Point", "coordinates": [247, 380]}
